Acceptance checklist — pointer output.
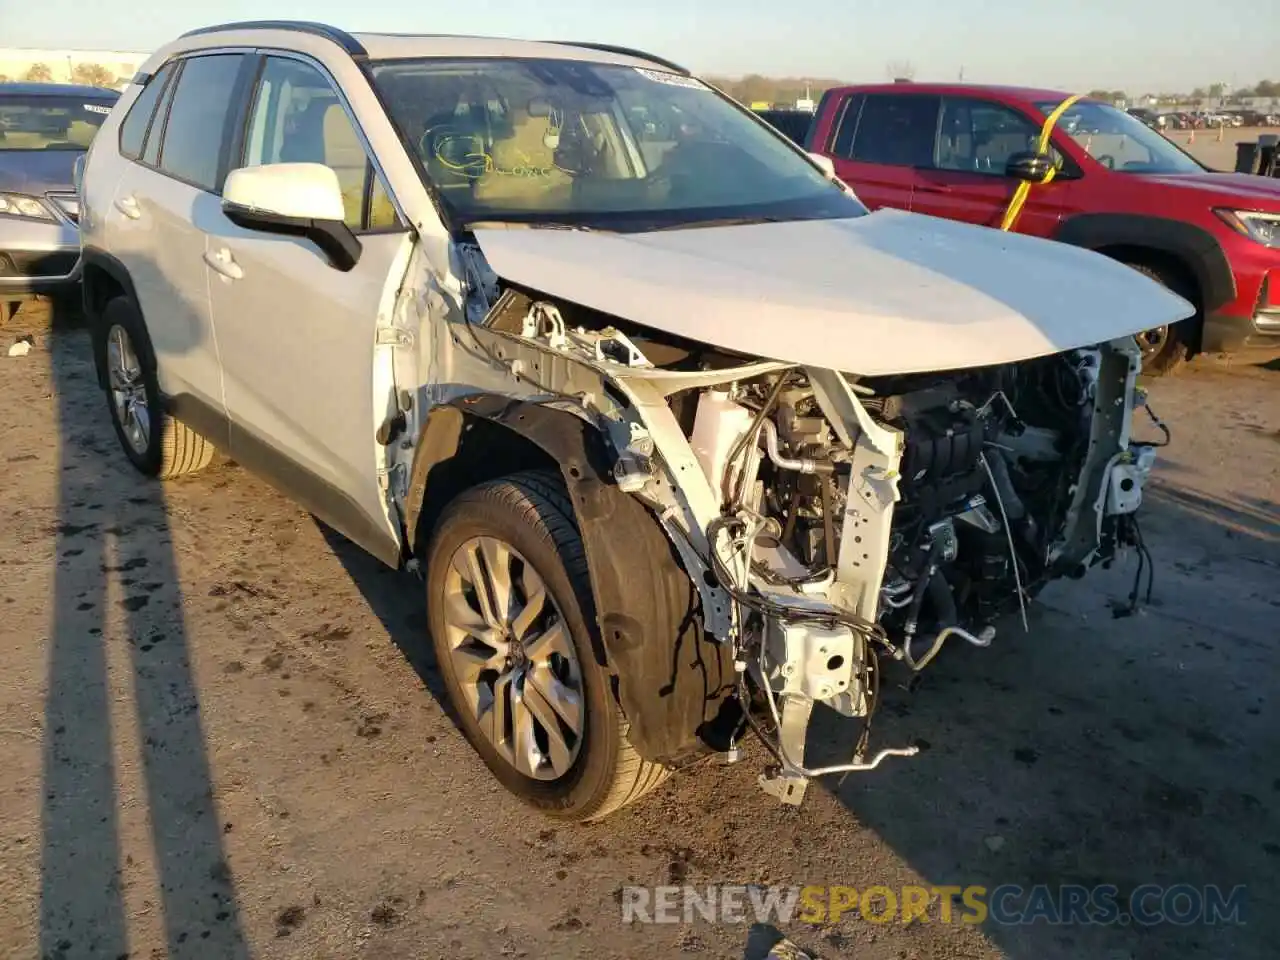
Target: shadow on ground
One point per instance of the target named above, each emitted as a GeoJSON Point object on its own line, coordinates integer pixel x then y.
{"type": "Point", "coordinates": [1112, 751]}
{"type": "Point", "coordinates": [118, 638]}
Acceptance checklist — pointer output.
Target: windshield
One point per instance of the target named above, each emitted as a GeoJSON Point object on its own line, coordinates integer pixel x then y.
{"type": "Point", "coordinates": [569, 143]}
{"type": "Point", "coordinates": [50, 123]}
{"type": "Point", "coordinates": [1119, 141]}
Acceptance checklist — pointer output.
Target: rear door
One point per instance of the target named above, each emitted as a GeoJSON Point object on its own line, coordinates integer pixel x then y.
{"type": "Point", "coordinates": [967, 181]}
{"type": "Point", "coordinates": [154, 221]}
{"type": "Point", "coordinates": [298, 338]}
{"type": "Point", "coordinates": [880, 142]}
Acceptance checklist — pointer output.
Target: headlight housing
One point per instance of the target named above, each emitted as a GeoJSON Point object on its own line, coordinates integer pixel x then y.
{"type": "Point", "coordinates": [1263, 228]}
{"type": "Point", "coordinates": [18, 205]}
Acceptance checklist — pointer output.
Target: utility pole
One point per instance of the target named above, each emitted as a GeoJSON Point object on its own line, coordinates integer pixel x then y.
{"type": "Point", "coordinates": [961, 75]}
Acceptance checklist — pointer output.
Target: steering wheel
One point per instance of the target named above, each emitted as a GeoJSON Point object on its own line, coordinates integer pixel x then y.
{"type": "Point", "coordinates": [1107, 160]}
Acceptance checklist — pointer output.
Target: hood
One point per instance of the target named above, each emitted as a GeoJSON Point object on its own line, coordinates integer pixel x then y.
{"type": "Point", "coordinates": [890, 292]}
{"type": "Point", "coordinates": [37, 171]}
{"type": "Point", "coordinates": [1242, 191]}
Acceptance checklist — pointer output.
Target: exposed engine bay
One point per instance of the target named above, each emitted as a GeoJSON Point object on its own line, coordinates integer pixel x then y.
{"type": "Point", "coordinates": [833, 524]}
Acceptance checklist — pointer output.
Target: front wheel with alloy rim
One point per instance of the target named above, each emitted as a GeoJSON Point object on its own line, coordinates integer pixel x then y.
{"type": "Point", "coordinates": [1165, 349]}
{"type": "Point", "coordinates": [511, 616]}
{"type": "Point", "coordinates": [155, 443]}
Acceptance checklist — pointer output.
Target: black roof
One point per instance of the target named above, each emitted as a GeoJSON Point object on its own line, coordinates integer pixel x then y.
{"type": "Point", "coordinates": [22, 89]}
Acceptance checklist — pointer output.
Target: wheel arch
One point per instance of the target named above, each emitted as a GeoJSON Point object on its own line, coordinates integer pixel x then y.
{"type": "Point", "coordinates": [670, 677]}
{"type": "Point", "coordinates": [1158, 241]}
{"type": "Point", "coordinates": [103, 278]}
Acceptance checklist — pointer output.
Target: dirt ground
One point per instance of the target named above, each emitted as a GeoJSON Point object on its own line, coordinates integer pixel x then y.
{"type": "Point", "coordinates": [1212, 152]}
{"type": "Point", "coordinates": [222, 737]}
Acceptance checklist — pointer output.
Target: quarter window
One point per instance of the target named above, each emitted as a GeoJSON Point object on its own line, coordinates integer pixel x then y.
{"type": "Point", "coordinates": [298, 118]}
{"type": "Point", "coordinates": [978, 136]}
{"type": "Point", "coordinates": [133, 131]}
{"type": "Point", "coordinates": [155, 134]}
{"type": "Point", "coordinates": [194, 133]}
{"type": "Point", "coordinates": [896, 129]}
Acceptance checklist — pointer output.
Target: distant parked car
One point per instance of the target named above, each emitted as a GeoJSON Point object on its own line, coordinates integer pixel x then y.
{"type": "Point", "coordinates": [793, 124]}
{"type": "Point", "coordinates": [960, 151]}
{"type": "Point", "coordinates": [44, 128]}
{"type": "Point", "coordinates": [1149, 117]}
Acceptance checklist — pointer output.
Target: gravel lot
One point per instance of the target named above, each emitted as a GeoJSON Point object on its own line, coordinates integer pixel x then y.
{"type": "Point", "coordinates": [222, 737]}
{"type": "Point", "coordinates": [1214, 154]}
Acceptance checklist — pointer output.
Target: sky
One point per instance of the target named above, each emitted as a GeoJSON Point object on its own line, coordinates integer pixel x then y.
{"type": "Point", "coordinates": [1134, 45]}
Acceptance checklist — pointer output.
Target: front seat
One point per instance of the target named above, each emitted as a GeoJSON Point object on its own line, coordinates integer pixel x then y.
{"type": "Point", "coordinates": [523, 172]}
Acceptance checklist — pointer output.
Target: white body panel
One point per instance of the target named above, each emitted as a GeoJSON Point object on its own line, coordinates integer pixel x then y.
{"type": "Point", "coordinates": [298, 342]}
{"type": "Point", "coordinates": [307, 190]}
{"type": "Point", "coordinates": [151, 226]}
{"type": "Point", "coordinates": [890, 292]}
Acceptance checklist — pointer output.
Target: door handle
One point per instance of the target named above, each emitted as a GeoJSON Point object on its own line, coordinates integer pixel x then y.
{"type": "Point", "coordinates": [933, 188]}
{"type": "Point", "coordinates": [129, 207]}
{"type": "Point", "coordinates": [224, 263]}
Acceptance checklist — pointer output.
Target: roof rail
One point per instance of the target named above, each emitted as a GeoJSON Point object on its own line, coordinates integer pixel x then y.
{"type": "Point", "coordinates": [343, 39]}
{"type": "Point", "coordinates": [625, 52]}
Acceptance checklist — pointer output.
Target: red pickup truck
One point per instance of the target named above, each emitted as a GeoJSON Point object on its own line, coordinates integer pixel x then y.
{"type": "Point", "coordinates": [959, 151]}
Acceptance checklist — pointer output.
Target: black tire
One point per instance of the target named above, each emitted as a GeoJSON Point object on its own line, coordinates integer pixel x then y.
{"type": "Point", "coordinates": [172, 448]}
{"type": "Point", "coordinates": [531, 512]}
{"type": "Point", "coordinates": [1166, 355]}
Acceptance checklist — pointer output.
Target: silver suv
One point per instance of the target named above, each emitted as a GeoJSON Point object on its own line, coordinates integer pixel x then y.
{"type": "Point", "coordinates": [682, 440]}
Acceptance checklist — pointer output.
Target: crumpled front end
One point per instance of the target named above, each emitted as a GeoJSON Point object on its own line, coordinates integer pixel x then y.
{"type": "Point", "coordinates": [833, 524]}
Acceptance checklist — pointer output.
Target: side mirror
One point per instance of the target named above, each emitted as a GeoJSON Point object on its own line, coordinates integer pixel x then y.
{"type": "Point", "coordinates": [824, 163]}
{"type": "Point", "coordinates": [1029, 166]}
{"type": "Point", "coordinates": [293, 199]}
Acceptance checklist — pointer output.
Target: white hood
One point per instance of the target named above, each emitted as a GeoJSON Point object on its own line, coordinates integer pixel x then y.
{"type": "Point", "coordinates": [890, 292]}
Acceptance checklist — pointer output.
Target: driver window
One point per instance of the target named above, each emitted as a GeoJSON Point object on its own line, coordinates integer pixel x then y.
{"type": "Point", "coordinates": [298, 118]}
{"type": "Point", "coordinates": [978, 136]}
{"type": "Point", "coordinates": [1112, 148]}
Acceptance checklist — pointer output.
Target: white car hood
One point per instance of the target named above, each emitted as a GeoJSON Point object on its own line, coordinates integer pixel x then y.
{"type": "Point", "coordinates": [890, 292]}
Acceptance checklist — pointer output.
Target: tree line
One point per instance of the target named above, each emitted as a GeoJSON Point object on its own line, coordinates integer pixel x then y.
{"type": "Point", "coordinates": [88, 74]}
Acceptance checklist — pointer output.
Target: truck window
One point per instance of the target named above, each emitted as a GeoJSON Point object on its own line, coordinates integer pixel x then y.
{"type": "Point", "coordinates": [978, 136]}
{"type": "Point", "coordinates": [896, 129]}
{"type": "Point", "coordinates": [846, 125]}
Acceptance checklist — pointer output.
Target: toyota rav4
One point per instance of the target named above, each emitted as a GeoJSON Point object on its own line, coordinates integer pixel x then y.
{"type": "Point", "coordinates": [680, 438]}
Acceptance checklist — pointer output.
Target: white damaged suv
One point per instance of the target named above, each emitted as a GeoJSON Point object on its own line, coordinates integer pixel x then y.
{"type": "Point", "coordinates": [682, 440]}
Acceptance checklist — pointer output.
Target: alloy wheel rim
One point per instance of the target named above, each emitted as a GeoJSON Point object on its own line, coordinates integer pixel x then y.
{"type": "Point", "coordinates": [1152, 341]}
{"type": "Point", "coordinates": [128, 390]}
{"type": "Point", "coordinates": [513, 658]}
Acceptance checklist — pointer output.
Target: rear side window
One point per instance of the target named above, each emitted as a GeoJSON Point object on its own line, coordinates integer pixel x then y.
{"type": "Point", "coordinates": [193, 134]}
{"type": "Point", "coordinates": [133, 131]}
{"type": "Point", "coordinates": [897, 129]}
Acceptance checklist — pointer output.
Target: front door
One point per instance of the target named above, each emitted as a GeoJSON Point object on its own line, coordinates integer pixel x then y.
{"type": "Point", "coordinates": [298, 337]}
{"type": "Point", "coordinates": [967, 179]}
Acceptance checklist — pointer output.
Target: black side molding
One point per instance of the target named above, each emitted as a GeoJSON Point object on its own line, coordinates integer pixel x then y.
{"type": "Point", "coordinates": [625, 52]}
{"type": "Point", "coordinates": [343, 39]}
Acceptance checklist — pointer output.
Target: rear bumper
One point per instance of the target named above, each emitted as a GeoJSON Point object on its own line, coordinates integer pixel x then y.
{"type": "Point", "coordinates": [1231, 334]}
{"type": "Point", "coordinates": [37, 258]}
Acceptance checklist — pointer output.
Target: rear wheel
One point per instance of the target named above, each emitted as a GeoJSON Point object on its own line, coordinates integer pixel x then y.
{"type": "Point", "coordinates": [154, 442]}
{"type": "Point", "coordinates": [511, 614]}
{"type": "Point", "coordinates": [1166, 348]}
